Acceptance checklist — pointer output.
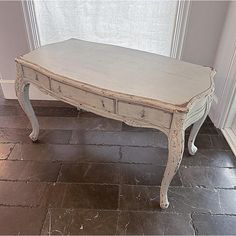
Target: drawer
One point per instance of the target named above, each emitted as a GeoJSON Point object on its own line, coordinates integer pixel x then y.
{"type": "Point", "coordinates": [83, 97]}
{"type": "Point", "coordinates": [36, 77]}
{"type": "Point", "coordinates": [143, 113]}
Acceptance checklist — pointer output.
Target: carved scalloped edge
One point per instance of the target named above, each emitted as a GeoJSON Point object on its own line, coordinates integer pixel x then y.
{"type": "Point", "coordinates": [115, 95]}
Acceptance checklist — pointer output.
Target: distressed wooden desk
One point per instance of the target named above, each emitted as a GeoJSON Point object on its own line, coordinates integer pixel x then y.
{"type": "Point", "coordinates": [139, 88]}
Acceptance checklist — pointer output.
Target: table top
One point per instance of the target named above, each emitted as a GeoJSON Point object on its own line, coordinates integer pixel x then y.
{"type": "Point", "coordinates": [126, 71]}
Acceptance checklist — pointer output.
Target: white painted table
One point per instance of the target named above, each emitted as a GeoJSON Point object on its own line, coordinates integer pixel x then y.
{"type": "Point", "coordinates": [139, 88]}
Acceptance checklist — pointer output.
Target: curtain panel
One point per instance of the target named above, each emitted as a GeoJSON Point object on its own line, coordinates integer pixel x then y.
{"type": "Point", "coordinates": [140, 24]}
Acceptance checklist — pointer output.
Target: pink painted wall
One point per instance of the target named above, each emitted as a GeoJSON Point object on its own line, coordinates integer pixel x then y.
{"type": "Point", "coordinates": [13, 37]}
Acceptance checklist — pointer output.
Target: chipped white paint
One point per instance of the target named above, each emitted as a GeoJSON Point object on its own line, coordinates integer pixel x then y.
{"type": "Point", "coordinates": [176, 148]}
{"type": "Point", "coordinates": [138, 88]}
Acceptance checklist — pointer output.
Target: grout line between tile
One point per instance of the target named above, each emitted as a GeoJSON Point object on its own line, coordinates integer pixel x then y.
{"type": "Point", "coordinates": [44, 220]}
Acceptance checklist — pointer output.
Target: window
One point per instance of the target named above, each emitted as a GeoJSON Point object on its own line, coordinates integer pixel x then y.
{"type": "Point", "coordinates": [148, 25]}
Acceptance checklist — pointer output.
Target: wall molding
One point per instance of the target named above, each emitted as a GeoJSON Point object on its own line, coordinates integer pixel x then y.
{"type": "Point", "coordinates": [181, 22]}
{"type": "Point", "coordinates": [225, 64]}
{"type": "Point", "coordinates": [228, 93]}
{"type": "Point", "coordinates": [230, 138]}
{"type": "Point", "coordinates": [31, 24]}
{"type": "Point", "coordinates": [220, 113]}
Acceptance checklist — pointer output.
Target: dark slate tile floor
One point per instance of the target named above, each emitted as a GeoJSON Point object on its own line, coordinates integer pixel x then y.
{"type": "Point", "coordinates": [92, 175]}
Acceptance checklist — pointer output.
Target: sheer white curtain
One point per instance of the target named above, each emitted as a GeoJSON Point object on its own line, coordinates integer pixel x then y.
{"type": "Point", "coordinates": [141, 24]}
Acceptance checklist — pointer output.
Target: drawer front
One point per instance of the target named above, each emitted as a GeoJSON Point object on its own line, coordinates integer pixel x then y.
{"type": "Point", "coordinates": [143, 113]}
{"type": "Point", "coordinates": [83, 97]}
{"type": "Point", "coordinates": [36, 77]}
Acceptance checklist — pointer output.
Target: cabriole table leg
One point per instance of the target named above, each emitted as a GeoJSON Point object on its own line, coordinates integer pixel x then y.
{"type": "Point", "coordinates": [22, 93]}
{"type": "Point", "coordinates": [175, 149]}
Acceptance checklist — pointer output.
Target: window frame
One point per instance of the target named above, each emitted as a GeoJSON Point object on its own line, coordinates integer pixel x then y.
{"type": "Point", "coordinates": [178, 37]}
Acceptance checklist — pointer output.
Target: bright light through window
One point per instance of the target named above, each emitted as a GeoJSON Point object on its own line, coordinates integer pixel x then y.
{"type": "Point", "coordinates": [140, 24]}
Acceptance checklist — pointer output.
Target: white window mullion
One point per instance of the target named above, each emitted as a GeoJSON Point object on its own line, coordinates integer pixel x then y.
{"type": "Point", "coordinates": [180, 28]}
{"type": "Point", "coordinates": [31, 24]}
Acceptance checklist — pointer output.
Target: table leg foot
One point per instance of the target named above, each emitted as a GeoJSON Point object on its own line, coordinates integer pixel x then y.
{"type": "Point", "coordinates": [192, 148]}
{"type": "Point", "coordinates": [34, 136]}
{"type": "Point", "coordinates": [164, 203]}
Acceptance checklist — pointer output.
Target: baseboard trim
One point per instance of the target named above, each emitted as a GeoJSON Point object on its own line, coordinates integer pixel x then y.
{"type": "Point", "coordinates": [8, 89]}
{"type": "Point", "coordinates": [230, 138]}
